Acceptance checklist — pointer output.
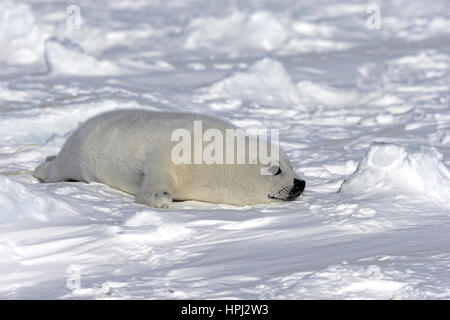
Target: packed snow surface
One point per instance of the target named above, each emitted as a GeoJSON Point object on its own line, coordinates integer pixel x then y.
{"type": "Point", "coordinates": [363, 114]}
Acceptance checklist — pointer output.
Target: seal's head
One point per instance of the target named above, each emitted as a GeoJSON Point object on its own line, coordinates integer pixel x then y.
{"type": "Point", "coordinates": [289, 192]}
{"type": "Point", "coordinates": [245, 173]}
{"type": "Point", "coordinates": [284, 184]}
{"type": "Point", "coordinates": [257, 183]}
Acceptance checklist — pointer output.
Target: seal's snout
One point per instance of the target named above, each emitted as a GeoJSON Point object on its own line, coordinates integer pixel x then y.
{"type": "Point", "coordinates": [290, 193]}
{"type": "Point", "coordinates": [299, 185]}
{"type": "Point", "coordinates": [297, 189]}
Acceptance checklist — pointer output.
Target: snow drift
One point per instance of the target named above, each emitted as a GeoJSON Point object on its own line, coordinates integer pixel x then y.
{"type": "Point", "coordinates": [267, 82]}
{"type": "Point", "coordinates": [67, 58]}
{"type": "Point", "coordinates": [19, 200]}
{"type": "Point", "coordinates": [260, 30]}
{"type": "Point", "coordinates": [312, 94]}
{"type": "Point", "coordinates": [389, 168]}
{"type": "Point", "coordinates": [21, 40]}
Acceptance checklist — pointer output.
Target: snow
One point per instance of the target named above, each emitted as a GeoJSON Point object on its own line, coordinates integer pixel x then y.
{"type": "Point", "coordinates": [363, 115]}
{"type": "Point", "coordinates": [267, 80]}
{"type": "Point", "coordinates": [259, 30]}
{"type": "Point", "coordinates": [60, 58]}
{"type": "Point", "coordinates": [20, 38]}
{"type": "Point", "coordinates": [19, 201]}
{"type": "Point", "coordinates": [391, 169]}
{"type": "Point", "coordinates": [243, 32]}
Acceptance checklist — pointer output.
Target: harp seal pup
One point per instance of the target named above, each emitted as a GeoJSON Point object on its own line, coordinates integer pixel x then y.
{"type": "Point", "coordinates": [131, 150]}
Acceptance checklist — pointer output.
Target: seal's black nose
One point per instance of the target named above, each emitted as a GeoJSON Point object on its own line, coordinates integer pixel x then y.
{"type": "Point", "coordinates": [299, 186]}
{"type": "Point", "coordinates": [297, 189]}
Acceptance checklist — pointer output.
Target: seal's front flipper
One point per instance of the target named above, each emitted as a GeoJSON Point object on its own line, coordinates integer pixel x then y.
{"type": "Point", "coordinates": [157, 184]}
{"type": "Point", "coordinates": [156, 199]}
{"type": "Point", "coordinates": [156, 190]}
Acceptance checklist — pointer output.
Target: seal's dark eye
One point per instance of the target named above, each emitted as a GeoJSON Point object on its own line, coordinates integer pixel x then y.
{"type": "Point", "coordinates": [274, 170]}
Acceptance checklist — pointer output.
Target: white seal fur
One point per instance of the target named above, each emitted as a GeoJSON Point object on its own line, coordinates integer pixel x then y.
{"type": "Point", "coordinates": [130, 150]}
